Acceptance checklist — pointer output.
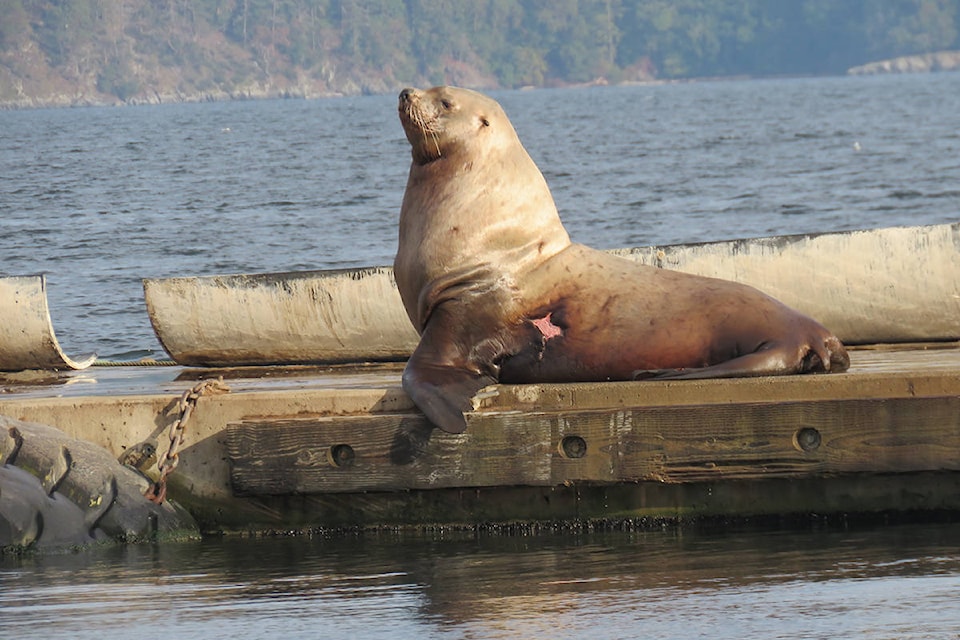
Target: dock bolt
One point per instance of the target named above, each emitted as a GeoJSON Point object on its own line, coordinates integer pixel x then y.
{"type": "Point", "coordinates": [341, 455]}
{"type": "Point", "coordinates": [573, 447]}
{"type": "Point", "coordinates": [806, 439]}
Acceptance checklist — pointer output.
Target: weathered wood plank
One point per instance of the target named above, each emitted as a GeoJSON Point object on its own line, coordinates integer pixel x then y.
{"type": "Point", "coordinates": [378, 452]}
{"type": "Point", "coordinates": [672, 444]}
{"type": "Point", "coordinates": [796, 439]}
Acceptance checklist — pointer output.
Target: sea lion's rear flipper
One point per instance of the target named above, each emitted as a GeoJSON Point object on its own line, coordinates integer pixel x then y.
{"type": "Point", "coordinates": [742, 367]}
{"type": "Point", "coordinates": [771, 360]}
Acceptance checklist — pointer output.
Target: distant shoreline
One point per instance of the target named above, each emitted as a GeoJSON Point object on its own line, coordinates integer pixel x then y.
{"type": "Point", "coordinates": [941, 61]}
{"type": "Point", "coordinates": [923, 63]}
{"type": "Point", "coordinates": [81, 100]}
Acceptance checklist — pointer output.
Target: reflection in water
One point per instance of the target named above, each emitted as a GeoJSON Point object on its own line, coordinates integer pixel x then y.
{"type": "Point", "coordinates": [893, 582]}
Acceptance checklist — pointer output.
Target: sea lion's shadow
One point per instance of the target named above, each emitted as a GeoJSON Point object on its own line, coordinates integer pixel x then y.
{"type": "Point", "coordinates": [410, 440]}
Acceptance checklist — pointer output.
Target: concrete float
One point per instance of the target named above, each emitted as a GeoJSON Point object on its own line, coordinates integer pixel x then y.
{"type": "Point", "coordinates": [280, 318]}
{"type": "Point", "coordinates": [897, 284]}
{"type": "Point", "coordinates": [877, 286]}
{"type": "Point", "coordinates": [27, 340]}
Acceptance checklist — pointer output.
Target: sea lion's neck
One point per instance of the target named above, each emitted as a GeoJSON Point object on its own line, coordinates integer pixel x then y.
{"type": "Point", "coordinates": [462, 214]}
{"type": "Point", "coordinates": [457, 213]}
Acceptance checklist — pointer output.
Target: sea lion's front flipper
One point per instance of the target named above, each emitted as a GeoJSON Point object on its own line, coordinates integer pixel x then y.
{"type": "Point", "coordinates": [443, 392]}
{"type": "Point", "coordinates": [441, 376]}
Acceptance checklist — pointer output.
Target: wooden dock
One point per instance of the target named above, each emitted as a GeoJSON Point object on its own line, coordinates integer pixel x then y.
{"type": "Point", "coordinates": [342, 446]}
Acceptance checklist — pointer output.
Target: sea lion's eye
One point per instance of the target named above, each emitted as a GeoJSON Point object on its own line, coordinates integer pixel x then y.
{"type": "Point", "coordinates": [484, 122]}
{"type": "Point", "coordinates": [446, 104]}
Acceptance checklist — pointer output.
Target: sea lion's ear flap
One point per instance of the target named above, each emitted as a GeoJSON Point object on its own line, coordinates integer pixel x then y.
{"type": "Point", "coordinates": [484, 121]}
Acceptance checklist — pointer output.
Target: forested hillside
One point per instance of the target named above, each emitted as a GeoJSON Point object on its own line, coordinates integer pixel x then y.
{"type": "Point", "coordinates": [95, 51]}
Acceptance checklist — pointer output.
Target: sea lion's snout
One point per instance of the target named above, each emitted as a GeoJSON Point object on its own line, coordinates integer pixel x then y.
{"type": "Point", "coordinates": [407, 96]}
{"type": "Point", "coordinates": [410, 105]}
{"type": "Point", "coordinates": [418, 115]}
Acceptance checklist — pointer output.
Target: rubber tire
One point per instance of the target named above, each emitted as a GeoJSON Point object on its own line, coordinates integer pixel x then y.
{"type": "Point", "coordinates": [60, 491]}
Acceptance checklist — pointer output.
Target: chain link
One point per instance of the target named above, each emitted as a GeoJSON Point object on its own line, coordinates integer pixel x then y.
{"type": "Point", "coordinates": [157, 492]}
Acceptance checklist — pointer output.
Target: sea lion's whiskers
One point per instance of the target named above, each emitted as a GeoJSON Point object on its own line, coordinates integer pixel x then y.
{"type": "Point", "coordinates": [427, 131]}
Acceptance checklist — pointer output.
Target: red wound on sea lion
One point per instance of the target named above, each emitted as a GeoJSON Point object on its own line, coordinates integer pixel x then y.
{"type": "Point", "coordinates": [547, 328]}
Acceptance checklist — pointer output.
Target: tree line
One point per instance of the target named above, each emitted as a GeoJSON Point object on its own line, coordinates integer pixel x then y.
{"type": "Point", "coordinates": [124, 47]}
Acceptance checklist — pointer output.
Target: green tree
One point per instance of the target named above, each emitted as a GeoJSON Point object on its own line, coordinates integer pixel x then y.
{"type": "Point", "coordinates": [65, 29]}
{"type": "Point", "coordinates": [128, 45]}
{"type": "Point", "coordinates": [911, 26]}
{"type": "Point", "coordinates": [15, 25]}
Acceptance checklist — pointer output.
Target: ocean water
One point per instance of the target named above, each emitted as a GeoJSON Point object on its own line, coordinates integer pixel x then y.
{"type": "Point", "coordinates": [99, 198]}
{"type": "Point", "coordinates": [893, 582]}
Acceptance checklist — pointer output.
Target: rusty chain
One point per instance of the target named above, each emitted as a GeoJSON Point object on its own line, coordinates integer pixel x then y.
{"type": "Point", "coordinates": [157, 492]}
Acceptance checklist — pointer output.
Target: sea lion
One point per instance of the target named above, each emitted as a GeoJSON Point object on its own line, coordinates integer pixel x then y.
{"type": "Point", "coordinates": [498, 292]}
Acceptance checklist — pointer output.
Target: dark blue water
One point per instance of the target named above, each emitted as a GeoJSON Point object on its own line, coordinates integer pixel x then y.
{"type": "Point", "coordinates": [99, 198]}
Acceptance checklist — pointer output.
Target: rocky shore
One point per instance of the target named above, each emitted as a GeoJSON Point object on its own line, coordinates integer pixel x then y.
{"type": "Point", "coordinates": [925, 63]}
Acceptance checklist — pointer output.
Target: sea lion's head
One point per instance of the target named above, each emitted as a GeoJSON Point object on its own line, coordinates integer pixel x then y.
{"type": "Point", "coordinates": [442, 121]}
